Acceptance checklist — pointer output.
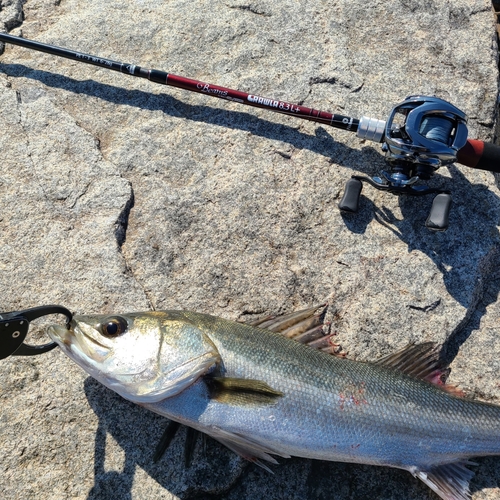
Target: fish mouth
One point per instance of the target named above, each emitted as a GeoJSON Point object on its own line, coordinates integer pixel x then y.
{"type": "Point", "coordinates": [60, 334]}
{"type": "Point", "coordinates": [73, 339]}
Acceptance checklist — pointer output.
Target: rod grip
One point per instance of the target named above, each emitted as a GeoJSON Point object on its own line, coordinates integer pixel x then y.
{"type": "Point", "coordinates": [480, 155]}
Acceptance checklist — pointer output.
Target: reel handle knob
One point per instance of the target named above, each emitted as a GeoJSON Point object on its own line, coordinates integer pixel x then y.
{"type": "Point", "coordinates": [440, 211]}
{"type": "Point", "coordinates": [350, 200]}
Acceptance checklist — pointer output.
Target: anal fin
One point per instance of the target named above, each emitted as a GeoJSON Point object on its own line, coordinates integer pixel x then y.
{"type": "Point", "coordinates": [246, 448]}
{"type": "Point", "coordinates": [449, 481]}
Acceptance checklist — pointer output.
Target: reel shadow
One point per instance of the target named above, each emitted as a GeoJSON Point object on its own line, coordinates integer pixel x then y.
{"type": "Point", "coordinates": [358, 222]}
{"type": "Point", "coordinates": [467, 254]}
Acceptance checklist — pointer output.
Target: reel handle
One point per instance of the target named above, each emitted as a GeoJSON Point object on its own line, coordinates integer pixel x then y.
{"type": "Point", "coordinates": [350, 200]}
{"type": "Point", "coordinates": [481, 155]}
{"type": "Point", "coordinates": [438, 219]}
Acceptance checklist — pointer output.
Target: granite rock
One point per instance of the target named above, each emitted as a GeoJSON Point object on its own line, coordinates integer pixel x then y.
{"type": "Point", "coordinates": [119, 194]}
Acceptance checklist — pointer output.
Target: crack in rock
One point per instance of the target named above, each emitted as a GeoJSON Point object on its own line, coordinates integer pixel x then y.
{"type": "Point", "coordinates": [11, 16]}
{"type": "Point", "coordinates": [250, 8]}
{"type": "Point", "coordinates": [122, 221]}
{"type": "Point", "coordinates": [335, 81]}
{"type": "Point", "coordinates": [25, 133]}
{"type": "Point", "coordinates": [427, 308]}
{"type": "Point", "coordinates": [488, 271]}
{"type": "Point", "coordinates": [121, 227]}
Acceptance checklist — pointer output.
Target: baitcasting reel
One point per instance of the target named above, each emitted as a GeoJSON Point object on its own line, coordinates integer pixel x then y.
{"type": "Point", "coordinates": [421, 135]}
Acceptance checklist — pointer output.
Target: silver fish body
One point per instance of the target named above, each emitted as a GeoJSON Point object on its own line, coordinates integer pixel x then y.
{"type": "Point", "coordinates": [335, 409]}
{"type": "Point", "coordinates": [327, 408]}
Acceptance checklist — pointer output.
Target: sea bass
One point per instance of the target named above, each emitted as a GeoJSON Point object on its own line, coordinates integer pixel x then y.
{"type": "Point", "coordinates": [262, 394]}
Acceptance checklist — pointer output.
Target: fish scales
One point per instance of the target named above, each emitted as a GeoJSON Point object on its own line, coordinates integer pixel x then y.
{"type": "Point", "coordinates": [262, 394]}
{"type": "Point", "coordinates": [362, 412]}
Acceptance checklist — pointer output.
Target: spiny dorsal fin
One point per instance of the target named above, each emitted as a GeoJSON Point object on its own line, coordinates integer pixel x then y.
{"type": "Point", "coordinates": [307, 327]}
{"type": "Point", "coordinates": [422, 361]}
{"type": "Point", "coordinates": [283, 322]}
{"type": "Point", "coordinates": [449, 481]}
{"type": "Point", "coordinates": [239, 391]}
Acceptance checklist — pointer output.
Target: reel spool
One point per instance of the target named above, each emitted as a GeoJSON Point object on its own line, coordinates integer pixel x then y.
{"type": "Point", "coordinates": [422, 134]}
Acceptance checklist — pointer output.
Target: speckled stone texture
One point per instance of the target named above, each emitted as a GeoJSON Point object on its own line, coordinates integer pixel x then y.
{"type": "Point", "coordinates": [117, 194]}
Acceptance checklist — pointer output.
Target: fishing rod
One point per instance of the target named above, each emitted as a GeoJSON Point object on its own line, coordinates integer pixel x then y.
{"type": "Point", "coordinates": [422, 133]}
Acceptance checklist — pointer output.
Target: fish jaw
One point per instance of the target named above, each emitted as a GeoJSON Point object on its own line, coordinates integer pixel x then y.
{"type": "Point", "coordinates": [152, 360]}
{"type": "Point", "coordinates": [86, 351]}
{"type": "Point", "coordinates": [72, 343]}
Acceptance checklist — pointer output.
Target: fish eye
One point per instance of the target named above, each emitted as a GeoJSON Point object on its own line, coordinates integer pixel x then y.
{"type": "Point", "coordinates": [113, 327]}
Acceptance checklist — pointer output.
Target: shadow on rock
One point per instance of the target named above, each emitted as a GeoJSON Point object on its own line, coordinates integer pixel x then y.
{"type": "Point", "coordinates": [217, 473]}
{"type": "Point", "coordinates": [467, 254]}
{"type": "Point", "coordinates": [472, 323]}
{"type": "Point", "coordinates": [137, 432]}
{"type": "Point", "coordinates": [358, 222]}
{"type": "Point", "coordinates": [322, 144]}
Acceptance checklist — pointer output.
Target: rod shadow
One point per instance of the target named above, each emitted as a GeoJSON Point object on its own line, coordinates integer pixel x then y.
{"type": "Point", "coordinates": [322, 143]}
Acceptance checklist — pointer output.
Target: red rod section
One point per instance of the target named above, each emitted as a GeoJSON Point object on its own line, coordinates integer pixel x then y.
{"type": "Point", "coordinates": [338, 121]}
{"type": "Point", "coordinates": [480, 155]}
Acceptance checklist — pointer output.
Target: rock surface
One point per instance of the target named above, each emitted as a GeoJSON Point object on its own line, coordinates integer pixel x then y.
{"type": "Point", "coordinates": [119, 194]}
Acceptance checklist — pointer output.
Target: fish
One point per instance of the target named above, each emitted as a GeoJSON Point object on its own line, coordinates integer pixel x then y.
{"type": "Point", "coordinates": [306, 326]}
{"type": "Point", "coordinates": [265, 395]}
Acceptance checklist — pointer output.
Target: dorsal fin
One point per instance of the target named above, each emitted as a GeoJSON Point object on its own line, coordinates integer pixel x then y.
{"type": "Point", "coordinates": [422, 361]}
{"type": "Point", "coordinates": [280, 323]}
{"type": "Point", "coordinates": [307, 326]}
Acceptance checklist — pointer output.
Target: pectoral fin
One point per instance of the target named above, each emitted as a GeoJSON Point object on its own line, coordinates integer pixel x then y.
{"type": "Point", "coordinates": [241, 392]}
{"type": "Point", "coordinates": [449, 481]}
